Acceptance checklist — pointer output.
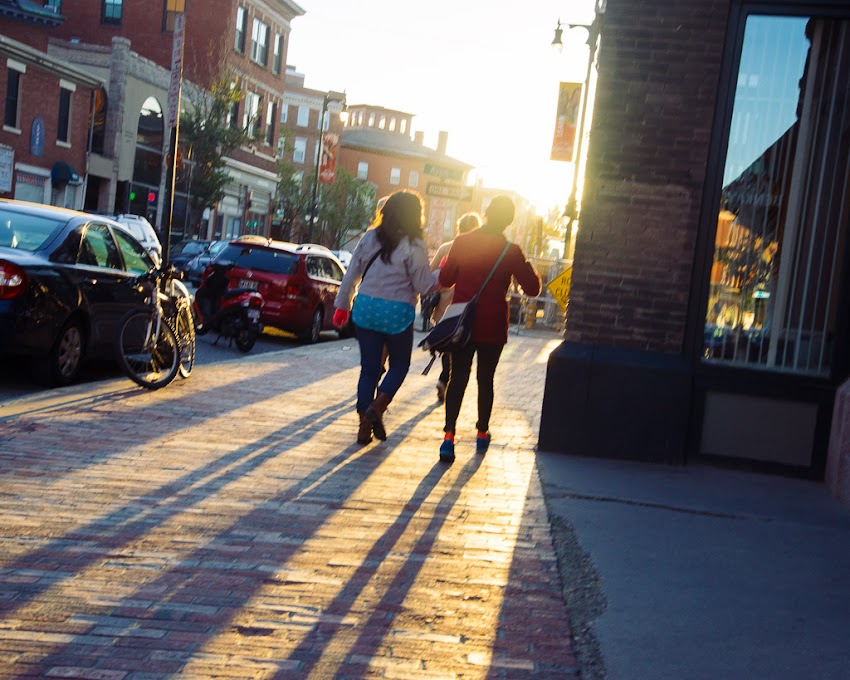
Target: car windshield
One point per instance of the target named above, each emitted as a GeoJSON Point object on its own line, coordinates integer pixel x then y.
{"type": "Point", "coordinates": [260, 259]}
{"type": "Point", "coordinates": [26, 231]}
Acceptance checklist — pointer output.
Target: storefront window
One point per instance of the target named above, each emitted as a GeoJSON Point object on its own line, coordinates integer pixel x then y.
{"type": "Point", "coordinates": [783, 218]}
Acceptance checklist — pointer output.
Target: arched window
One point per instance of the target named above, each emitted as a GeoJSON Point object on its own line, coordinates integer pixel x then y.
{"type": "Point", "coordinates": [147, 167]}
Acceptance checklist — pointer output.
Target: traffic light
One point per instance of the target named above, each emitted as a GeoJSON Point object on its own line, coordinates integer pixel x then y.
{"type": "Point", "coordinates": [151, 197]}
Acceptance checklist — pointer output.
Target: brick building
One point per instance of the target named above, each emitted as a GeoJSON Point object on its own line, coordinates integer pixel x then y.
{"type": "Point", "coordinates": [377, 147]}
{"type": "Point", "coordinates": [708, 311]}
{"type": "Point", "coordinates": [46, 127]}
{"type": "Point", "coordinates": [246, 41]}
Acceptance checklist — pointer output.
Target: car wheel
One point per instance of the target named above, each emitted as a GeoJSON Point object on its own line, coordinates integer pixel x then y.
{"type": "Point", "coordinates": [66, 356]}
{"type": "Point", "coordinates": [314, 332]}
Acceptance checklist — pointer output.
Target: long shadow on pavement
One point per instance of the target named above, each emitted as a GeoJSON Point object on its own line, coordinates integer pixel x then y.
{"type": "Point", "coordinates": [88, 441]}
{"type": "Point", "coordinates": [198, 599]}
{"type": "Point", "coordinates": [106, 534]}
{"type": "Point", "coordinates": [310, 651]}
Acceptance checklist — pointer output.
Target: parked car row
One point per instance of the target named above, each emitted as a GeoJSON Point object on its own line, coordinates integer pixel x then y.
{"type": "Point", "coordinates": [66, 278]}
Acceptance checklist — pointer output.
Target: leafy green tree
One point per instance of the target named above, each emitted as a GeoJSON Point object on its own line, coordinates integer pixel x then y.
{"type": "Point", "coordinates": [207, 136]}
{"type": "Point", "coordinates": [292, 199]}
{"type": "Point", "coordinates": [346, 208]}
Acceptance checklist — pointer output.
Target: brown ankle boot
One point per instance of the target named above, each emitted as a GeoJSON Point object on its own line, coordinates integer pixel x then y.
{"type": "Point", "coordinates": [374, 414]}
{"type": "Point", "coordinates": [364, 433]}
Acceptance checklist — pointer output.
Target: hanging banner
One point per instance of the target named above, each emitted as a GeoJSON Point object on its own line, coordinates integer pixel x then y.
{"type": "Point", "coordinates": [330, 146]}
{"type": "Point", "coordinates": [566, 122]}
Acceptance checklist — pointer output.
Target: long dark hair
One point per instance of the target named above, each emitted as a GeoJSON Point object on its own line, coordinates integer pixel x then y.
{"type": "Point", "coordinates": [402, 215]}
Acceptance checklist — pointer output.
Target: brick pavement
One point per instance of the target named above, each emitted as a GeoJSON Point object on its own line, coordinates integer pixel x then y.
{"type": "Point", "coordinates": [228, 527]}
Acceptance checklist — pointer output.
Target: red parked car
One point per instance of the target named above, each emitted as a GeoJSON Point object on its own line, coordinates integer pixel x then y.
{"type": "Point", "coordinates": [298, 283]}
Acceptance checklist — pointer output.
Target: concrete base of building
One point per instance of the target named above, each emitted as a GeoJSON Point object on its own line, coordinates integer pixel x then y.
{"type": "Point", "coordinates": [838, 456]}
{"type": "Point", "coordinates": [612, 403]}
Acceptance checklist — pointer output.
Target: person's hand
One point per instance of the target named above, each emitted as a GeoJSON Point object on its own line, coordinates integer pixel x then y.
{"type": "Point", "coordinates": [340, 318]}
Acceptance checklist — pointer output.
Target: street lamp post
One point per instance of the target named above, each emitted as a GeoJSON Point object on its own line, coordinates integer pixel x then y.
{"type": "Point", "coordinates": [571, 211]}
{"type": "Point", "coordinates": [334, 103]}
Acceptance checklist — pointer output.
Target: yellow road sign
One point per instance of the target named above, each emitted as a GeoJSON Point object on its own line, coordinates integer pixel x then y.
{"type": "Point", "coordinates": [560, 286]}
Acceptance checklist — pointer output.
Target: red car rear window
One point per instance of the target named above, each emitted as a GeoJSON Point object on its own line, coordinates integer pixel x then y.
{"type": "Point", "coordinates": [259, 259]}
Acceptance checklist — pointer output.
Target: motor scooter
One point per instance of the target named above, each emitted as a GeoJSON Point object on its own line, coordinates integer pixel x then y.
{"type": "Point", "coordinates": [222, 306]}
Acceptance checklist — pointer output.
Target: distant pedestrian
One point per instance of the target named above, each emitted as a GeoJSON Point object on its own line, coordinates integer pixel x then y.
{"type": "Point", "coordinates": [466, 223]}
{"type": "Point", "coordinates": [391, 265]}
{"type": "Point", "coordinates": [470, 259]}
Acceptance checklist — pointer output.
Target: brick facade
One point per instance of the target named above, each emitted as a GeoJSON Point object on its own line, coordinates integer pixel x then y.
{"type": "Point", "coordinates": [659, 65]}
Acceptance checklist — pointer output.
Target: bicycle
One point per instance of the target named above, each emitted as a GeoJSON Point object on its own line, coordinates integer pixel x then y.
{"type": "Point", "coordinates": [157, 342]}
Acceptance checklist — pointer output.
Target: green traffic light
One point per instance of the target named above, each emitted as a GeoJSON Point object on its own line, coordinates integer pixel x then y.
{"type": "Point", "coordinates": [132, 195]}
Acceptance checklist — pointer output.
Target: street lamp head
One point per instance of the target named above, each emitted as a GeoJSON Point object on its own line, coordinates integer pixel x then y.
{"type": "Point", "coordinates": [557, 42]}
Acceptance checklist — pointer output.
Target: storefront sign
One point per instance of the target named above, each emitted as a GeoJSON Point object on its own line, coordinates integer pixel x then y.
{"type": "Point", "coordinates": [7, 161]}
{"type": "Point", "coordinates": [566, 122]}
{"type": "Point", "coordinates": [451, 174]}
{"type": "Point", "coordinates": [560, 287]}
{"type": "Point", "coordinates": [449, 191]}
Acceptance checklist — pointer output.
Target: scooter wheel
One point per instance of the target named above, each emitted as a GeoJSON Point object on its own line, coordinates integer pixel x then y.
{"type": "Point", "coordinates": [245, 340]}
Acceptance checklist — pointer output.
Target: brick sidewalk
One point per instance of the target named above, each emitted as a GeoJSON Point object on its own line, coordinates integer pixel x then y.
{"type": "Point", "coordinates": [227, 526]}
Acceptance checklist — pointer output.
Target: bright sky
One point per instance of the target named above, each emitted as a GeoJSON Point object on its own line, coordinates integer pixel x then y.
{"type": "Point", "coordinates": [482, 70]}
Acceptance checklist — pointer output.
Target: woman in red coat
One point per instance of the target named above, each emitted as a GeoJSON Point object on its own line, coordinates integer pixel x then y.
{"type": "Point", "coordinates": [470, 259]}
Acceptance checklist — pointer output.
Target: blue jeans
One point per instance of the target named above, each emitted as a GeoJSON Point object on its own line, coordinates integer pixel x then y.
{"type": "Point", "coordinates": [399, 347]}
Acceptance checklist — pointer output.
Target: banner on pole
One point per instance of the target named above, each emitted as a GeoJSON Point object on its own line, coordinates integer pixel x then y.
{"type": "Point", "coordinates": [330, 146]}
{"type": "Point", "coordinates": [566, 122]}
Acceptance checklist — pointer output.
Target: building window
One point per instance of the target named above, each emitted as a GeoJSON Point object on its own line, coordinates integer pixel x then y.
{"type": "Point", "coordinates": [303, 116]}
{"type": "Point", "coordinates": [774, 285]}
{"type": "Point", "coordinates": [63, 133]}
{"type": "Point", "coordinates": [413, 180]}
{"type": "Point", "coordinates": [260, 43]}
{"type": "Point", "coordinates": [172, 9]}
{"type": "Point", "coordinates": [403, 126]}
{"type": "Point", "coordinates": [371, 119]}
{"type": "Point", "coordinates": [233, 115]}
{"type": "Point", "coordinates": [392, 124]}
{"type": "Point", "coordinates": [277, 61]}
{"type": "Point", "coordinates": [395, 176]}
{"type": "Point", "coordinates": [281, 146]}
{"type": "Point", "coordinates": [299, 151]}
{"type": "Point", "coordinates": [251, 118]}
{"type": "Point", "coordinates": [382, 123]}
{"type": "Point", "coordinates": [362, 170]}
{"type": "Point", "coordinates": [271, 115]}
{"type": "Point", "coordinates": [241, 28]}
{"type": "Point", "coordinates": [284, 113]}
{"type": "Point", "coordinates": [110, 12]}
{"type": "Point", "coordinates": [13, 96]}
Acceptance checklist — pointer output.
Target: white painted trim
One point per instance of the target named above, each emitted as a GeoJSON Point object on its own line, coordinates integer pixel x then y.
{"type": "Point", "coordinates": [16, 65]}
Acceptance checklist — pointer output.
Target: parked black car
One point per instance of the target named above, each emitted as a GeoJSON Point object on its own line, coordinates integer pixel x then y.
{"type": "Point", "coordinates": [183, 252]}
{"type": "Point", "coordinates": [65, 280]}
{"type": "Point", "coordinates": [195, 267]}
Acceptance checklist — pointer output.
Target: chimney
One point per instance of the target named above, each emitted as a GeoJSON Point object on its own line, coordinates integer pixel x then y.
{"type": "Point", "coordinates": [442, 141]}
{"type": "Point", "coordinates": [418, 137]}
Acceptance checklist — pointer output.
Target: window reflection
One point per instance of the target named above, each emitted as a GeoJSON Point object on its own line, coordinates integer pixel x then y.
{"type": "Point", "coordinates": [774, 278]}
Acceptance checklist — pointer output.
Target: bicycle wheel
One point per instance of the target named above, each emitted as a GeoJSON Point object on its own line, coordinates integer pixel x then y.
{"type": "Point", "coordinates": [185, 333]}
{"type": "Point", "coordinates": [149, 361]}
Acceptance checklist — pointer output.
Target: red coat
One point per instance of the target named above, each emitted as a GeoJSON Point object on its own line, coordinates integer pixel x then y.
{"type": "Point", "coordinates": [470, 259]}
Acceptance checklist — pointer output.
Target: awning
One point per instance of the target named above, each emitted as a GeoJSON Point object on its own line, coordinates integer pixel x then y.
{"type": "Point", "coordinates": [63, 173]}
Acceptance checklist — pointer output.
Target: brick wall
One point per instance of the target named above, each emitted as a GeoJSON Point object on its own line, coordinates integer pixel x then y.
{"type": "Point", "coordinates": [659, 64]}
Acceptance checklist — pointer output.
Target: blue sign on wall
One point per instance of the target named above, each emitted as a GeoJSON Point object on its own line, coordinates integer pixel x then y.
{"type": "Point", "coordinates": [37, 137]}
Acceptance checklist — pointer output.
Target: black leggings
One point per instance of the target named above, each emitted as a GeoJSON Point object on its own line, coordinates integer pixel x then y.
{"type": "Point", "coordinates": [460, 368]}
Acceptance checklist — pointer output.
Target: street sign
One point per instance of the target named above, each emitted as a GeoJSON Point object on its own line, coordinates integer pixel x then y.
{"type": "Point", "coordinates": [176, 71]}
{"type": "Point", "coordinates": [449, 191]}
{"type": "Point", "coordinates": [560, 286]}
{"type": "Point", "coordinates": [451, 174]}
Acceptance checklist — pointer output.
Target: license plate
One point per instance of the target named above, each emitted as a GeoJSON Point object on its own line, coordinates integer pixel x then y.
{"type": "Point", "coordinates": [250, 285]}
{"type": "Point", "coordinates": [254, 314]}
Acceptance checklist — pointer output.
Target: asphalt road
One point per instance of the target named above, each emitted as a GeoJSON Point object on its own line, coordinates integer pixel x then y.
{"type": "Point", "coordinates": [16, 379]}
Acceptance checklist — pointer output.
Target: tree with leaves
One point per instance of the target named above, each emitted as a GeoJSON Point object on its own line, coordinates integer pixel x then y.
{"type": "Point", "coordinates": [346, 208]}
{"type": "Point", "coordinates": [293, 201]}
{"type": "Point", "coordinates": [207, 135]}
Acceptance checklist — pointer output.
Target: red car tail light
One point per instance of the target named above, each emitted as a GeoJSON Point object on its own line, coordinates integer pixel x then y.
{"type": "Point", "coordinates": [13, 280]}
{"type": "Point", "coordinates": [293, 290]}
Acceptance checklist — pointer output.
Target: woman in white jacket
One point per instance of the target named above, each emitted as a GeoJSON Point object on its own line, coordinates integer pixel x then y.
{"type": "Point", "coordinates": [391, 265]}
